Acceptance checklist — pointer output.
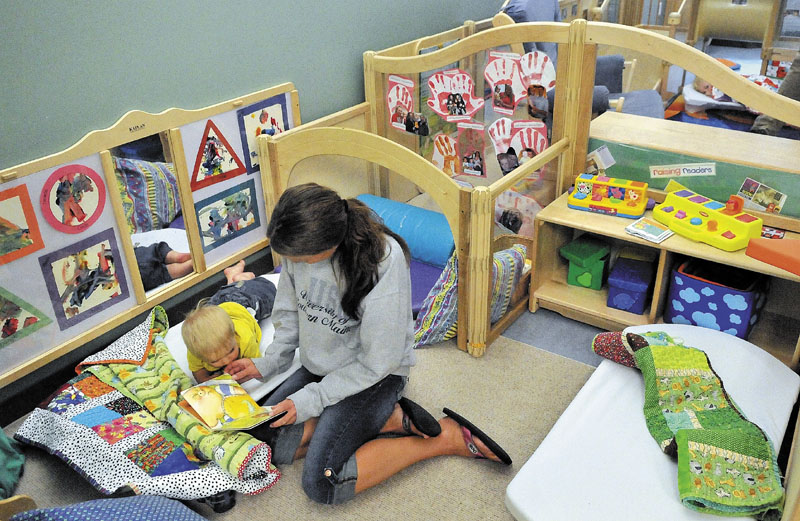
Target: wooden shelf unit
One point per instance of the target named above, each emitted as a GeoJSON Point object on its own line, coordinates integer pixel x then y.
{"type": "Point", "coordinates": [777, 331]}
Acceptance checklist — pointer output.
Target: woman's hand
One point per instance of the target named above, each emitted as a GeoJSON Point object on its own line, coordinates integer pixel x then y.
{"type": "Point", "coordinates": [242, 370]}
{"type": "Point", "coordinates": [291, 413]}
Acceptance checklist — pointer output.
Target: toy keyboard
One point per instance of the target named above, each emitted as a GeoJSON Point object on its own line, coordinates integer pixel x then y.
{"type": "Point", "coordinates": [610, 196]}
{"type": "Point", "coordinates": [699, 218]}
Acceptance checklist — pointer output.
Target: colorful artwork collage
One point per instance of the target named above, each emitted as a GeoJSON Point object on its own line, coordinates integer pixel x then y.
{"type": "Point", "coordinates": [63, 221]}
{"type": "Point", "coordinates": [458, 119]}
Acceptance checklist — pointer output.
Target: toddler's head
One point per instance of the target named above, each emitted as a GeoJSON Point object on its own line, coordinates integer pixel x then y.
{"type": "Point", "coordinates": [209, 335]}
{"type": "Point", "coordinates": [702, 86]}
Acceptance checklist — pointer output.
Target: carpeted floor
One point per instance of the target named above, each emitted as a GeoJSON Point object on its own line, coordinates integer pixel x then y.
{"type": "Point", "coordinates": [515, 393]}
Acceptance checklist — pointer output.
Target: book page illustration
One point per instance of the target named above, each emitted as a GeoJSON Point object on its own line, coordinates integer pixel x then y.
{"type": "Point", "coordinates": [224, 404]}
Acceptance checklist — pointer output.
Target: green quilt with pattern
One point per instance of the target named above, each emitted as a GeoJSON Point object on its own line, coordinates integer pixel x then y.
{"type": "Point", "coordinates": [726, 464]}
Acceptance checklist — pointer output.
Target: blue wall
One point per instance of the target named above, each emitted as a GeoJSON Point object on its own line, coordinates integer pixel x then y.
{"type": "Point", "coordinates": [72, 67]}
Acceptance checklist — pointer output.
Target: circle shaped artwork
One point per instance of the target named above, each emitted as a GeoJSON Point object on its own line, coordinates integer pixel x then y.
{"type": "Point", "coordinates": [73, 198]}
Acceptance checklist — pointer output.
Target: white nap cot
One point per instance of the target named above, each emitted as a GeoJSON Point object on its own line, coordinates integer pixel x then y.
{"type": "Point", "coordinates": [599, 461]}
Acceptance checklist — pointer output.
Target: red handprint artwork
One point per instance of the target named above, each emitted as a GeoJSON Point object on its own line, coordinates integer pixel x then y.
{"type": "Point", "coordinates": [502, 74]}
{"type": "Point", "coordinates": [537, 69]}
{"type": "Point", "coordinates": [511, 78]}
{"type": "Point", "coordinates": [500, 134]}
{"type": "Point", "coordinates": [445, 154]}
{"type": "Point", "coordinates": [399, 100]}
{"type": "Point", "coordinates": [452, 95]}
{"type": "Point", "coordinates": [528, 138]}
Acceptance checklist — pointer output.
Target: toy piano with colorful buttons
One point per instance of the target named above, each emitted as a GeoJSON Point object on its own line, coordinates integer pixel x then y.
{"type": "Point", "coordinates": [699, 218]}
{"type": "Point", "coordinates": [601, 194]}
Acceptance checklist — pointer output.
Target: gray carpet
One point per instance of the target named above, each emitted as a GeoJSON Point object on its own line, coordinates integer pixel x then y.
{"type": "Point", "coordinates": [515, 393]}
{"type": "Point", "coordinates": [552, 332]}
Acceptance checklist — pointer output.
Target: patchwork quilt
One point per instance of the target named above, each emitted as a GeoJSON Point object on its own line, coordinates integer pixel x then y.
{"type": "Point", "coordinates": [118, 424]}
{"type": "Point", "coordinates": [726, 464]}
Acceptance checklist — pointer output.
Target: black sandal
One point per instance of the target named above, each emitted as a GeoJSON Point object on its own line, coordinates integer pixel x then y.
{"type": "Point", "coordinates": [221, 501]}
{"type": "Point", "coordinates": [473, 431]}
{"type": "Point", "coordinates": [415, 414]}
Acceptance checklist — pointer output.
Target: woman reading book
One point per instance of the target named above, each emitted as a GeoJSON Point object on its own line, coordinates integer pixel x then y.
{"type": "Point", "coordinates": [344, 298]}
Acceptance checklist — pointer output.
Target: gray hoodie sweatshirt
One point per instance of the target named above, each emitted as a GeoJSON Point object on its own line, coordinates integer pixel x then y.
{"type": "Point", "coordinates": [350, 355]}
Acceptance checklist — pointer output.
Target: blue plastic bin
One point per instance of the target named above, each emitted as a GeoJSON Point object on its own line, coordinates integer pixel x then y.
{"type": "Point", "coordinates": [629, 285]}
{"type": "Point", "coordinates": [716, 296]}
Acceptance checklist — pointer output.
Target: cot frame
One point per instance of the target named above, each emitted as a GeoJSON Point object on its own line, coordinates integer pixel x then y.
{"type": "Point", "coordinates": [467, 210]}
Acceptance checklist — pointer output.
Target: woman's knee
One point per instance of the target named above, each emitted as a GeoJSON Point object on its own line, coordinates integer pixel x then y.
{"type": "Point", "coordinates": [328, 485]}
{"type": "Point", "coordinates": [316, 485]}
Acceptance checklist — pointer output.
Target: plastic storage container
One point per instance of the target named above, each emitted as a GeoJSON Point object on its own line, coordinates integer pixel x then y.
{"type": "Point", "coordinates": [716, 296]}
{"type": "Point", "coordinates": [629, 284]}
{"type": "Point", "coordinates": [587, 258]}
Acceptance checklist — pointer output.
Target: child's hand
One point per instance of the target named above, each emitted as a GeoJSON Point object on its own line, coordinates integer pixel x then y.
{"type": "Point", "coordinates": [242, 370]}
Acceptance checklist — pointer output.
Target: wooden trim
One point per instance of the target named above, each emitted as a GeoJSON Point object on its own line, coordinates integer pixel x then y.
{"type": "Point", "coordinates": [463, 249]}
{"type": "Point", "coordinates": [271, 182]}
{"type": "Point", "coordinates": [135, 125]}
{"type": "Point", "coordinates": [495, 37]}
{"type": "Point", "coordinates": [15, 504]}
{"type": "Point", "coordinates": [698, 63]}
{"type": "Point", "coordinates": [312, 142]}
{"type": "Point", "coordinates": [294, 98]}
{"type": "Point", "coordinates": [477, 270]}
{"type": "Point", "coordinates": [579, 89]}
{"type": "Point", "coordinates": [560, 117]}
{"type": "Point", "coordinates": [412, 48]}
{"type": "Point", "coordinates": [187, 202]}
{"type": "Point", "coordinates": [373, 83]}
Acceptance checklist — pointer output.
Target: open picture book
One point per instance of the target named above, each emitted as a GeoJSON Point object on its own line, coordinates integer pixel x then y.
{"type": "Point", "coordinates": [222, 404]}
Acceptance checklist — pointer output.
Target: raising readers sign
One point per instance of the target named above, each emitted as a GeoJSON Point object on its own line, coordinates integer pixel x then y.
{"type": "Point", "coordinates": [686, 170]}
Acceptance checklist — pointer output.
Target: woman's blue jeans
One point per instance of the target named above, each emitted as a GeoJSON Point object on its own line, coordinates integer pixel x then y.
{"type": "Point", "coordinates": [342, 428]}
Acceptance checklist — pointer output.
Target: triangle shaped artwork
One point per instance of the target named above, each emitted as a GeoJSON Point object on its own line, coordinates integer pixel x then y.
{"type": "Point", "coordinates": [18, 318]}
{"type": "Point", "coordinates": [216, 159]}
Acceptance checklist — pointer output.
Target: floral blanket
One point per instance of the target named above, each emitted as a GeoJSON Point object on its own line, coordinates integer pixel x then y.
{"type": "Point", "coordinates": [118, 424]}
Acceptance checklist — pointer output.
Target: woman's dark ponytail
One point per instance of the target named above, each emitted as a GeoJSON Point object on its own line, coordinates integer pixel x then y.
{"type": "Point", "coordinates": [361, 250]}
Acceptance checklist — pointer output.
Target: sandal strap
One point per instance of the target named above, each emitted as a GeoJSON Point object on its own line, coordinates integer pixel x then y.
{"type": "Point", "coordinates": [407, 424]}
{"type": "Point", "coordinates": [470, 443]}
